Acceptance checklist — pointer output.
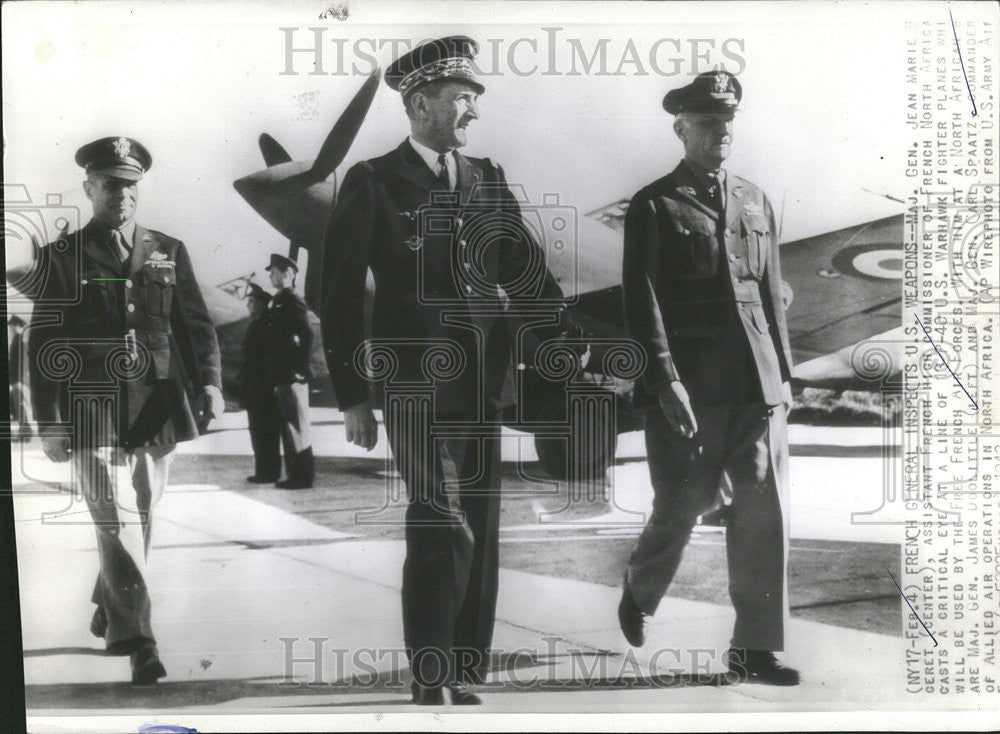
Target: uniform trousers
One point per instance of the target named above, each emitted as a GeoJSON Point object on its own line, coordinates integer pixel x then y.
{"type": "Point", "coordinates": [748, 445]}
{"type": "Point", "coordinates": [296, 433]}
{"type": "Point", "coordinates": [265, 430]}
{"type": "Point", "coordinates": [121, 490]}
{"type": "Point", "coordinates": [451, 572]}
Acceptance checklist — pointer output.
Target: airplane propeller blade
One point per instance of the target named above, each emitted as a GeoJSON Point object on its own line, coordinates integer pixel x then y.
{"type": "Point", "coordinates": [272, 151]}
{"type": "Point", "coordinates": [339, 141]}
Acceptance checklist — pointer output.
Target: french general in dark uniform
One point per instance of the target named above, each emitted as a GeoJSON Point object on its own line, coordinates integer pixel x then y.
{"type": "Point", "coordinates": [442, 235]}
{"type": "Point", "coordinates": [290, 348]}
{"type": "Point", "coordinates": [702, 292]}
{"type": "Point", "coordinates": [122, 352]}
{"type": "Point", "coordinates": [257, 384]}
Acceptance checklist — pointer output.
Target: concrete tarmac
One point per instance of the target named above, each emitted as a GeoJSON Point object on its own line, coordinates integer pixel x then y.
{"type": "Point", "coordinates": [259, 609]}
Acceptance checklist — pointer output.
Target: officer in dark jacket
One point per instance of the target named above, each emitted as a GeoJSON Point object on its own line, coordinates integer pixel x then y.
{"type": "Point", "coordinates": [123, 354]}
{"type": "Point", "coordinates": [290, 348]}
{"type": "Point", "coordinates": [441, 233]}
{"type": "Point", "coordinates": [257, 383]}
{"type": "Point", "coordinates": [702, 292]}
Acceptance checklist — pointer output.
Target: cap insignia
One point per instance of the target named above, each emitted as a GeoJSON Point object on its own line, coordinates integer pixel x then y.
{"type": "Point", "coordinates": [721, 82]}
{"type": "Point", "coordinates": [122, 147]}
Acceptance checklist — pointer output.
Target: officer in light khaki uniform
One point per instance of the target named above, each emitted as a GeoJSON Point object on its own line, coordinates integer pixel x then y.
{"type": "Point", "coordinates": [702, 293]}
{"type": "Point", "coordinates": [122, 356]}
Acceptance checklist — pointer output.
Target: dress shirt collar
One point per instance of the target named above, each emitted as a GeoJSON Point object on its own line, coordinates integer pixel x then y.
{"type": "Point", "coordinates": [127, 231]}
{"type": "Point", "coordinates": [430, 157]}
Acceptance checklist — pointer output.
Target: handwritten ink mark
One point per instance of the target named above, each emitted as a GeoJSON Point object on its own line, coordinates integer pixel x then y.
{"type": "Point", "coordinates": [337, 11]}
{"type": "Point", "coordinates": [912, 609]}
{"type": "Point", "coordinates": [962, 62]}
{"type": "Point", "coordinates": [974, 403]}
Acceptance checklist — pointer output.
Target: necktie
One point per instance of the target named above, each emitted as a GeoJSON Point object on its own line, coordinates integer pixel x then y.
{"type": "Point", "coordinates": [442, 174]}
{"type": "Point", "coordinates": [715, 191]}
{"type": "Point", "coordinates": [121, 248]}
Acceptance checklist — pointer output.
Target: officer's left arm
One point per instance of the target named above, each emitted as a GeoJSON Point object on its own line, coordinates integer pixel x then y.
{"type": "Point", "coordinates": [190, 320]}
{"type": "Point", "coordinates": [522, 270]}
{"type": "Point", "coordinates": [523, 274]}
{"type": "Point", "coordinates": [773, 301]}
{"type": "Point", "coordinates": [302, 336]}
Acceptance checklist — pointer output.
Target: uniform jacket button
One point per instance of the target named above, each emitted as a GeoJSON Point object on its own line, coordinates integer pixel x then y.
{"type": "Point", "coordinates": [729, 232]}
{"type": "Point", "coordinates": [732, 257]}
{"type": "Point", "coordinates": [130, 308]}
{"type": "Point", "coordinates": [128, 283]}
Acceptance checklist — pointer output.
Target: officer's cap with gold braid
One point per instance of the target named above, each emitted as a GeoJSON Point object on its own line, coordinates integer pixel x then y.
{"type": "Point", "coordinates": [120, 157]}
{"type": "Point", "coordinates": [711, 91]}
{"type": "Point", "coordinates": [439, 60]}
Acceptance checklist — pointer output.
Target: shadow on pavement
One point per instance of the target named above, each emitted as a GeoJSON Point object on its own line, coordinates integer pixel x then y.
{"type": "Point", "coordinates": [570, 672]}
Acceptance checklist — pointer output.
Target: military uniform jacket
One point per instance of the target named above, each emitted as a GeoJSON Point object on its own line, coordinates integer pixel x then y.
{"type": "Point", "coordinates": [437, 269]}
{"type": "Point", "coordinates": [290, 338]}
{"type": "Point", "coordinates": [256, 370]}
{"type": "Point", "coordinates": [702, 292]}
{"type": "Point", "coordinates": [138, 332]}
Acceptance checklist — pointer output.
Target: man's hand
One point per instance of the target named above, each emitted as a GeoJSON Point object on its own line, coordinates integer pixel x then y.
{"type": "Point", "coordinates": [361, 427]}
{"type": "Point", "coordinates": [676, 407]}
{"type": "Point", "coordinates": [55, 447]}
{"type": "Point", "coordinates": [216, 403]}
{"type": "Point", "coordinates": [786, 396]}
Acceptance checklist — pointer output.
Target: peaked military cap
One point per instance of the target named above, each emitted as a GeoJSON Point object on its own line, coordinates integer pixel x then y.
{"type": "Point", "coordinates": [438, 60]}
{"type": "Point", "coordinates": [711, 91]}
{"type": "Point", "coordinates": [257, 293]}
{"type": "Point", "coordinates": [282, 262]}
{"type": "Point", "coordinates": [120, 157]}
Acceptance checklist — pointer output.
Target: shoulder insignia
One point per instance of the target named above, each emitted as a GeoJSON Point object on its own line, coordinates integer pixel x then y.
{"type": "Point", "coordinates": [157, 255]}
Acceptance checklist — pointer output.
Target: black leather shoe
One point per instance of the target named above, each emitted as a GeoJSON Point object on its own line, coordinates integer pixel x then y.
{"type": "Point", "coordinates": [258, 479]}
{"type": "Point", "coordinates": [462, 696]}
{"type": "Point", "coordinates": [759, 666]}
{"type": "Point", "coordinates": [146, 666]}
{"type": "Point", "coordinates": [426, 696]}
{"type": "Point", "coordinates": [630, 618]}
{"type": "Point", "coordinates": [99, 622]}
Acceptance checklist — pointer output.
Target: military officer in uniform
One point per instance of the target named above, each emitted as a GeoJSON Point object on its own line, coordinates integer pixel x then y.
{"type": "Point", "coordinates": [702, 293]}
{"type": "Point", "coordinates": [122, 351]}
{"type": "Point", "coordinates": [440, 232]}
{"type": "Point", "coordinates": [290, 348]}
{"type": "Point", "coordinates": [258, 389]}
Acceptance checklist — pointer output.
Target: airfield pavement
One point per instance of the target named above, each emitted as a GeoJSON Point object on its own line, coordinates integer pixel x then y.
{"type": "Point", "coordinates": [250, 582]}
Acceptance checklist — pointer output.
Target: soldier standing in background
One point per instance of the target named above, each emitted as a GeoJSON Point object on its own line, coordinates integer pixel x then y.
{"type": "Point", "coordinates": [291, 340]}
{"type": "Point", "coordinates": [258, 390]}
{"type": "Point", "coordinates": [121, 314]}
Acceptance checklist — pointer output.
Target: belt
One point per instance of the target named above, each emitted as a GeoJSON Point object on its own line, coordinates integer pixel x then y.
{"type": "Point", "coordinates": [746, 291]}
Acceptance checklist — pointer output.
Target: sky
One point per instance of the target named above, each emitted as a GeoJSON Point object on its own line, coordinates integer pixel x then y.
{"type": "Point", "coordinates": [821, 120]}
